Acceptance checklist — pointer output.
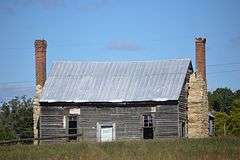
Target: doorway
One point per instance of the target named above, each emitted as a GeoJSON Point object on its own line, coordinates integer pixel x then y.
{"type": "Point", "coordinates": [147, 127]}
{"type": "Point", "coordinates": [183, 129]}
{"type": "Point", "coordinates": [72, 126]}
{"type": "Point", "coordinates": [106, 134]}
{"type": "Point", "coordinates": [147, 133]}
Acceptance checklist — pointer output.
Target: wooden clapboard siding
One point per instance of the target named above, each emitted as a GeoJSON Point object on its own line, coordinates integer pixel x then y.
{"type": "Point", "coordinates": [128, 120]}
{"type": "Point", "coordinates": [183, 107]}
{"type": "Point", "coordinates": [51, 123]}
{"type": "Point", "coordinates": [166, 119]}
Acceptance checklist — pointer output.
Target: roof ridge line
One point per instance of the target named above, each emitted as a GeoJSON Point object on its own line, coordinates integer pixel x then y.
{"type": "Point", "coordinates": [129, 61]}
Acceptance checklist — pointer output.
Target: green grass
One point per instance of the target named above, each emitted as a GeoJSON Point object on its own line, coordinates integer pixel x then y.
{"type": "Point", "coordinates": [211, 148]}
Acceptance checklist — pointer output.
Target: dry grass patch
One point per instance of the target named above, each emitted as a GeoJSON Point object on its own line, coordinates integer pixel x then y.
{"type": "Point", "coordinates": [211, 148]}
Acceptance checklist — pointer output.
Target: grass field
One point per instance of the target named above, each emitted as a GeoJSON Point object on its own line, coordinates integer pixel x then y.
{"type": "Point", "coordinates": [212, 148]}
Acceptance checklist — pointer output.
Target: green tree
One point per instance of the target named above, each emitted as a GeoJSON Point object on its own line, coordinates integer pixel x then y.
{"type": "Point", "coordinates": [234, 123]}
{"type": "Point", "coordinates": [221, 123]}
{"type": "Point", "coordinates": [221, 99]}
{"type": "Point", "coordinates": [16, 118]}
{"type": "Point", "coordinates": [6, 129]}
{"type": "Point", "coordinates": [237, 94]}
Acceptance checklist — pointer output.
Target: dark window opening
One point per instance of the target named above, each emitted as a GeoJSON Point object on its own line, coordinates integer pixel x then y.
{"type": "Point", "coordinates": [148, 133]}
{"type": "Point", "coordinates": [211, 126]}
{"type": "Point", "coordinates": [147, 121]}
{"type": "Point", "coordinates": [147, 127]}
{"type": "Point", "coordinates": [72, 127]}
{"type": "Point", "coordinates": [183, 129]}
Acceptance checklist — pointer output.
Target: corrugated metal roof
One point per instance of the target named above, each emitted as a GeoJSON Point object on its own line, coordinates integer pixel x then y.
{"type": "Point", "coordinates": [115, 81]}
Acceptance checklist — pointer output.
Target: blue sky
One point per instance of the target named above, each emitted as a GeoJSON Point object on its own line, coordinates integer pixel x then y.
{"type": "Point", "coordinates": [114, 30]}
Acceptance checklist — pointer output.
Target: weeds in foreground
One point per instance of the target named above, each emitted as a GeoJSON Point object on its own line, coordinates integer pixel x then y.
{"type": "Point", "coordinates": [210, 148]}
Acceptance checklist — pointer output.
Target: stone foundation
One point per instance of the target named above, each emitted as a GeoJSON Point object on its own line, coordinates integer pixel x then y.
{"type": "Point", "coordinates": [197, 107]}
{"type": "Point", "coordinates": [36, 112]}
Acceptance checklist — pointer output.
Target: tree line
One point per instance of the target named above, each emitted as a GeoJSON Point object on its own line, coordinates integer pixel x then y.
{"type": "Point", "coordinates": [16, 119]}
{"type": "Point", "coordinates": [225, 105]}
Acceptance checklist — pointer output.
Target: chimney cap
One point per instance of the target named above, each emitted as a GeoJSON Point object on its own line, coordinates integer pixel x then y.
{"type": "Point", "coordinates": [40, 43]}
{"type": "Point", "coordinates": [200, 40]}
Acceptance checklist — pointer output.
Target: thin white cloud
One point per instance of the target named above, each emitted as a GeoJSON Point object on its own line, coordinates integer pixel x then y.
{"type": "Point", "coordinates": [50, 4]}
{"type": "Point", "coordinates": [124, 46]}
{"type": "Point", "coordinates": [46, 4]}
{"type": "Point", "coordinates": [10, 9]}
{"type": "Point", "coordinates": [11, 6]}
{"type": "Point", "coordinates": [10, 91]}
{"type": "Point", "coordinates": [85, 5]}
{"type": "Point", "coordinates": [93, 5]}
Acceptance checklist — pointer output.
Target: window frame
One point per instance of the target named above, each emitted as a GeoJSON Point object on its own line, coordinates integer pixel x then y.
{"type": "Point", "coordinates": [72, 118]}
{"type": "Point", "coordinates": [147, 121]}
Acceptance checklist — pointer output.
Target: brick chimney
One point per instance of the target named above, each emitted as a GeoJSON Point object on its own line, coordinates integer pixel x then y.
{"type": "Point", "coordinates": [200, 56]}
{"type": "Point", "coordinates": [40, 67]}
{"type": "Point", "coordinates": [40, 61]}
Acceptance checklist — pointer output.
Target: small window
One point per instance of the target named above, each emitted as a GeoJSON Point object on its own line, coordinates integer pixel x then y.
{"type": "Point", "coordinates": [147, 121]}
{"type": "Point", "coordinates": [72, 126]}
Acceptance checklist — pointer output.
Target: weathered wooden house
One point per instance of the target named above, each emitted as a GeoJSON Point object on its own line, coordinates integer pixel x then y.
{"type": "Point", "coordinates": [108, 101]}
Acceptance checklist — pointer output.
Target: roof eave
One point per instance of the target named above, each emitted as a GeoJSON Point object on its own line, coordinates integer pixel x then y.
{"type": "Point", "coordinates": [115, 104]}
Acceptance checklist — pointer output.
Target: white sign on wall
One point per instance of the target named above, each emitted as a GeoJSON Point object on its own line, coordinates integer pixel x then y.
{"type": "Point", "coordinates": [74, 111]}
{"type": "Point", "coordinates": [153, 109]}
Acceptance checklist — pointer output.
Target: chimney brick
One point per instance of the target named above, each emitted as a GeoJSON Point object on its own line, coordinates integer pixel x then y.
{"type": "Point", "coordinates": [200, 56]}
{"type": "Point", "coordinates": [40, 61]}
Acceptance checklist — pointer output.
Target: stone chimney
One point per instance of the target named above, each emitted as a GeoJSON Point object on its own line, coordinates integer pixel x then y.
{"type": "Point", "coordinates": [40, 66]}
{"type": "Point", "coordinates": [197, 95]}
{"type": "Point", "coordinates": [40, 61]}
{"type": "Point", "coordinates": [200, 56]}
